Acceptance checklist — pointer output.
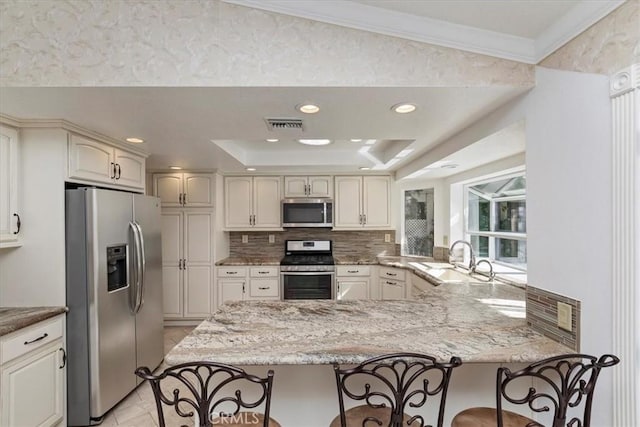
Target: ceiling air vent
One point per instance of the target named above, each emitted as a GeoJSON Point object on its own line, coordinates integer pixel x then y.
{"type": "Point", "coordinates": [280, 123]}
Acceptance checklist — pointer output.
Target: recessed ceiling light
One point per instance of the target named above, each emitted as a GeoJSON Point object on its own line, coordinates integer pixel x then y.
{"type": "Point", "coordinates": [314, 141]}
{"type": "Point", "coordinates": [251, 169]}
{"type": "Point", "coordinates": [364, 168]}
{"type": "Point", "coordinates": [356, 140]}
{"type": "Point", "coordinates": [449, 166]}
{"type": "Point", "coordinates": [177, 168]}
{"type": "Point", "coordinates": [404, 108]}
{"type": "Point", "coordinates": [272, 140]}
{"type": "Point", "coordinates": [308, 108]}
{"type": "Point", "coordinates": [135, 140]}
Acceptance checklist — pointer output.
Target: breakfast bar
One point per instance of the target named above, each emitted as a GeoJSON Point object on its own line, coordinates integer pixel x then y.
{"type": "Point", "coordinates": [483, 324]}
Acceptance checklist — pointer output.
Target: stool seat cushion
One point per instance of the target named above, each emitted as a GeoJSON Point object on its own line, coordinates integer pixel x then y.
{"type": "Point", "coordinates": [244, 419]}
{"type": "Point", "coordinates": [487, 417]}
{"type": "Point", "coordinates": [355, 416]}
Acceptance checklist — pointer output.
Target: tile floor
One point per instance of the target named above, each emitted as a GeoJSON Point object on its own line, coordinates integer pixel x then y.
{"type": "Point", "coordinates": [138, 409]}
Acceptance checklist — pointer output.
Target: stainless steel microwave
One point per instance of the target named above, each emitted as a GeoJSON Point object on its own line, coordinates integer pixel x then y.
{"type": "Point", "coordinates": [307, 213]}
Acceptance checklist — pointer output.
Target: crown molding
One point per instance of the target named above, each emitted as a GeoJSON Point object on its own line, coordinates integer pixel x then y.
{"type": "Point", "coordinates": [574, 22]}
{"type": "Point", "coordinates": [442, 33]}
{"type": "Point", "coordinates": [71, 127]}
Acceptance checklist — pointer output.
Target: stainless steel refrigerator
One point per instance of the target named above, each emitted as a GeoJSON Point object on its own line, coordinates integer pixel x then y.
{"type": "Point", "coordinates": [114, 295]}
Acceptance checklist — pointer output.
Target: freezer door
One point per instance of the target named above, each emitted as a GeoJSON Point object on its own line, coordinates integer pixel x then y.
{"type": "Point", "coordinates": [112, 357]}
{"type": "Point", "coordinates": [149, 319]}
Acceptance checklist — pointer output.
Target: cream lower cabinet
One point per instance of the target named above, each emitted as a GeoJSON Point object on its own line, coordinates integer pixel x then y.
{"type": "Point", "coordinates": [187, 268]}
{"type": "Point", "coordinates": [253, 202]}
{"type": "Point", "coordinates": [353, 282]}
{"type": "Point", "coordinates": [9, 187]}
{"type": "Point", "coordinates": [362, 202]}
{"type": "Point", "coordinates": [33, 375]}
{"type": "Point", "coordinates": [248, 283]}
{"type": "Point", "coordinates": [393, 283]}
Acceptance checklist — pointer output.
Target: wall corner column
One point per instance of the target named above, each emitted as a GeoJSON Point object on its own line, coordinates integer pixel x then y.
{"type": "Point", "coordinates": [625, 103]}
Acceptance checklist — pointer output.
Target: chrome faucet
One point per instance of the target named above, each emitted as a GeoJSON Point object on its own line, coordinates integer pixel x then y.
{"type": "Point", "coordinates": [472, 255]}
{"type": "Point", "coordinates": [491, 272]}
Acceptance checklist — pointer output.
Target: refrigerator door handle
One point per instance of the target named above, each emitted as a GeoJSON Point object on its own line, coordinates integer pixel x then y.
{"type": "Point", "coordinates": [143, 267]}
{"type": "Point", "coordinates": [135, 288]}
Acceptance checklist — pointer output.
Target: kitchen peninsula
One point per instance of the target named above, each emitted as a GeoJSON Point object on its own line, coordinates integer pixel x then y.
{"type": "Point", "coordinates": [483, 324]}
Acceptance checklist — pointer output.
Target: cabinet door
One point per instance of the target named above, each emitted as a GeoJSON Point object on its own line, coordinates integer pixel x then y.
{"type": "Point", "coordinates": [392, 289]}
{"type": "Point", "coordinates": [198, 275]}
{"type": "Point", "coordinates": [90, 160]}
{"type": "Point", "coordinates": [267, 202]}
{"type": "Point", "coordinates": [320, 186]}
{"type": "Point", "coordinates": [376, 199]}
{"type": "Point", "coordinates": [33, 389]}
{"type": "Point", "coordinates": [198, 189]}
{"type": "Point", "coordinates": [130, 169]}
{"type": "Point", "coordinates": [172, 254]}
{"type": "Point", "coordinates": [197, 291]}
{"type": "Point", "coordinates": [172, 302]}
{"type": "Point", "coordinates": [8, 187]}
{"type": "Point", "coordinates": [238, 201]}
{"type": "Point", "coordinates": [168, 186]}
{"type": "Point", "coordinates": [348, 208]}
{"type": "Point", "coordinates": [353, 289]}
{"type": "Point", "coordinates": [295, 186]}
{"type": "Point", "coordinates": [230, 290]}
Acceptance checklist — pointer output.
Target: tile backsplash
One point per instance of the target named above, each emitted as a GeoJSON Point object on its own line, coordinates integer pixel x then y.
{"type": "Point", "coordinates": [345, 243]}
{"type": "Point", "coordinates": [542, 315]}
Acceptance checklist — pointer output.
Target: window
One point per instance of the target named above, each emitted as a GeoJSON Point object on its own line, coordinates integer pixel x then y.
{"type": "Point", "coordinates": [496, 222]}
{"type": "Point", "coordinates": [418, 223]}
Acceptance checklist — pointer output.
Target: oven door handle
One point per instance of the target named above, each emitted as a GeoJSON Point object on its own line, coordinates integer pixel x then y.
{"type": "Point", "coordinates": [307, 273]}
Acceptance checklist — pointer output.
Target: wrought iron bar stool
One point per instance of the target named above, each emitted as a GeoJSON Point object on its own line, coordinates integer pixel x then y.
{"type": "Point", "coordinates": [211, 393]}
{"type": "Point", "coordinates": [400, 381]}
{"type": "Point", "coordinates": [567, 382]}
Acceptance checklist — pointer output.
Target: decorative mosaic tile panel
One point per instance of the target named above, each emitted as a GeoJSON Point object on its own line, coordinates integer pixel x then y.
{"type": "Point", "coordinates": [345, 243]}
{"type": "Point", "coordinates": [542, 315]}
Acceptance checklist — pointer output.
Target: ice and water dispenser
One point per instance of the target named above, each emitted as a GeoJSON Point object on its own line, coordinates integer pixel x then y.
{"type": "Point", "coordinates": [116, 267]}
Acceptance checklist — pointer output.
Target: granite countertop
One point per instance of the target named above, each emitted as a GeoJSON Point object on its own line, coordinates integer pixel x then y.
{"type": "Point", "coordinates": [15, 318]}
{"type": "Point", "coordinates": [239, 261]}
{"type": "Point", "coordinates": [477, 322]}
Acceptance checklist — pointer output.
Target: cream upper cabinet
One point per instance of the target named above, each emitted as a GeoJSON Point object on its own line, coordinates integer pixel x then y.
{"type": "Point", "coordinates": [91, 160]}
{"type": "Point", "coordinates": [9, 186]}
{"type": "Point", "coordinates": [253, 202]}
{"type": "Point", "coordinates": [184, 189]}
{"type": "Point", "coordinates": [362, 202]}
{"type": "Point", "coordinates": [308, 186]}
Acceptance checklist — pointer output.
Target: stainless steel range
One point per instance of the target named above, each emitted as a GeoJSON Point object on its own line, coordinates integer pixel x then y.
{"type": "Point", "coordinates": [308, 270]}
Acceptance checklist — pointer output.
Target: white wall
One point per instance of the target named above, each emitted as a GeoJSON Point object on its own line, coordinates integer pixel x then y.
{"type": "Point", "coordinates": [34, 274]}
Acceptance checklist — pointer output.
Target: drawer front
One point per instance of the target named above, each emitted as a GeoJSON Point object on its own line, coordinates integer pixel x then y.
{"type": "Point", "coordinates": [263, 288]}
{"type": "Point", "coordinates": [232, 271]}
{"type": "Point", "coordinates": [31, 338]}
{"type": "Point", "coordinates": [353, 270]}
{"type": "Point", "coordinates": [265, 271]}
{"type": "Point", "coordinates": [392, 273]}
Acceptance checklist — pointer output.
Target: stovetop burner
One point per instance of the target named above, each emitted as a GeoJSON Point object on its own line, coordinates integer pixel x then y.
{"type": "Point", "coordinates": [307, 260]}
{"type": "Point", "coordinates": [307, 255]}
